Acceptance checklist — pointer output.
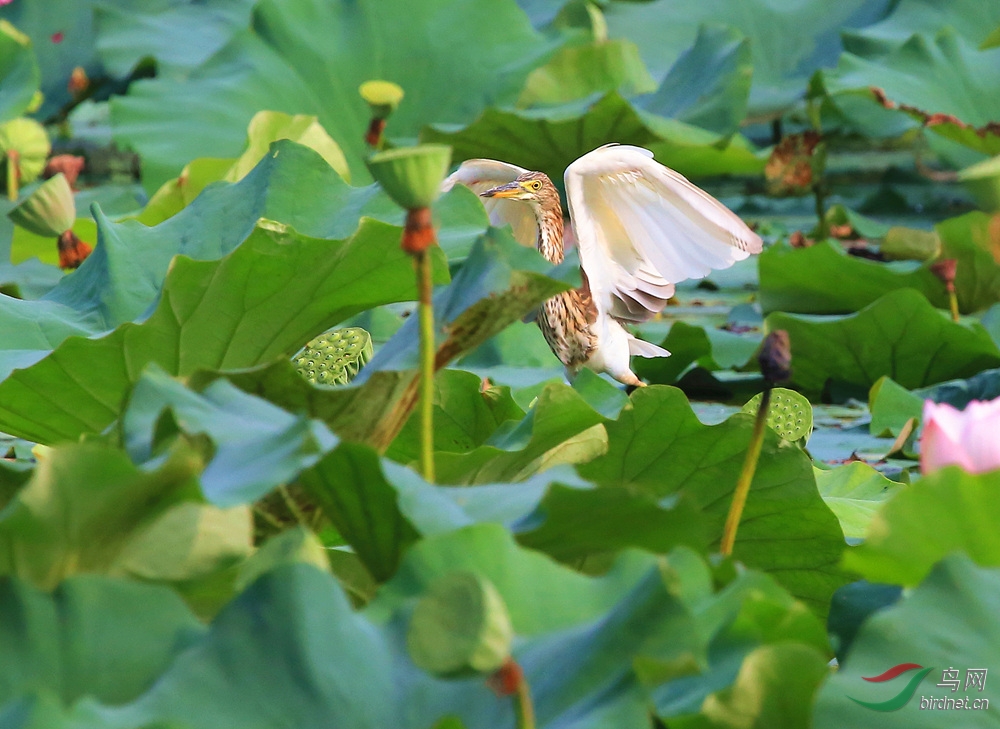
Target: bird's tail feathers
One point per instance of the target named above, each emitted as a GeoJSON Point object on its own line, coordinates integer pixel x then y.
{"type": "Point", "coordinates": [642, 348]}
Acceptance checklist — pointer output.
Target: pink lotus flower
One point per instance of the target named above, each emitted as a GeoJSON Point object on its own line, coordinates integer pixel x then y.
{"type": "Point", "coordinates": [967, 438]}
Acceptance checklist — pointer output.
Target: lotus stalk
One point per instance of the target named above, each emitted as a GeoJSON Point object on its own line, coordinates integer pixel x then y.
{"type": "Point", "coordinates": [775, 365]}
{"type": "Point", "coordinates": [946, 270]}
{"type": "Point", "coordinates": [382, 97]}
{"type": "Point", "coordinates": [412, 178]}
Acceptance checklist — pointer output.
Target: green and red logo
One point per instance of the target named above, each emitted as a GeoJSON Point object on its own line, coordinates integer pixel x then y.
{"type": "Point", "coordinates": [899, 700]}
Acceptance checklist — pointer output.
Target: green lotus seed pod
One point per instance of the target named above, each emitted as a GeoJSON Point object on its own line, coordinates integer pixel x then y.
{"type": "Point", "coordinates": [28, 139]}
{"type": "Point", "coordinates": [411, 176]}
{"type": "Point", "coordinates": [49, 211]}
{"type": "Point", "coordinates": [790, 414]}
{"type": "Point", "coordinates": [334, 357]}
{"type": "Point", "coordinates": [460, 627]}
{"type": "Point", "coordinates": [382, 96]}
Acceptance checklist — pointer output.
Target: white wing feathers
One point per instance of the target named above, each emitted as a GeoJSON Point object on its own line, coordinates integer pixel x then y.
{"type": "Point", "coordinates": [642, 227]}
{"type": "Point", "coordinates": [480, 175]}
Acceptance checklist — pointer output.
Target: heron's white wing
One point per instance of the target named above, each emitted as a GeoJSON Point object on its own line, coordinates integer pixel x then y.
{"type": "Point", "coordinates": [642, 227]}
{"type": "Point", "coordinates": [480, 175]}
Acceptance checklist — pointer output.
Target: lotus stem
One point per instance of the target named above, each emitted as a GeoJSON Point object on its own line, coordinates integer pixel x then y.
{"type": "Point", "coordinates": [418, 237]}
{"type": "Point", "coordinates": [375, 135]}
{"type": "Point", "coordinates": [953, 302]}
{"type": "Point", "coordinates": [746, 475]}
{"type": "Point", "coordinates": [509, 680]}
{"type": "Point", "coordinates": [13, 174]}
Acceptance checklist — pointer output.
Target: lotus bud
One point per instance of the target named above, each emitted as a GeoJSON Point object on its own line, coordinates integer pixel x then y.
{"type": "Point", "coordinates": [411, 176]}
{"type": "Point", "coordinates": [25, 147]}
{"type": "Point", "coordinates": [49, 211]}
{"type": "Point", "coordinates": [335, 357]}
{"type": "Point", "coordinates": [965, 438]}
{"type": "Point", "coordinates": [460, 627]}
{"type": "Point", "coordinates": [775, 357]}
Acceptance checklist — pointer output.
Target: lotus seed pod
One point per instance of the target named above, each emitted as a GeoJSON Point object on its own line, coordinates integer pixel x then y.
{"type": "Point", "coordinates": [28, 140]}
{"type": "Point", "coordinates": [49, 211]}
{"type": "Point", "coordinates": [334, 357]}
{"type": "Point", "coordinates": [790, 414]}
{"type": "Point", "coordinates": [382, 96]}
{"type": "Point", "coordinates": [460, 627]}
{"type": "Point", "coordinates": [411, 176]}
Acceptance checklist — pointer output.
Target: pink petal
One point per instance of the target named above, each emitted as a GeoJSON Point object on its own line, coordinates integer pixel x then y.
{"type": "Point", "coordinates": [981, 435]}
{"type": "Point", "coordinates": [941, 440]}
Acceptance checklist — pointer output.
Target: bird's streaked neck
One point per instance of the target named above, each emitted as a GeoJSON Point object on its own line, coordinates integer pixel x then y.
{"type": "Point", "coordinates": [549, 220]}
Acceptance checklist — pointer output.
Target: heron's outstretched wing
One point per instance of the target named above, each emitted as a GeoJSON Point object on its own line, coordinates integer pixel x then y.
{"type": "Point", "coordinates": [641, 228]}
{"type": "Point", "coordinates": [480, 175]}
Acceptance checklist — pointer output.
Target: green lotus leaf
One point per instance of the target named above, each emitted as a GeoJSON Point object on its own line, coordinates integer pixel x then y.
{"type": "Point", "coordinates": [18, 71]}
{"type": "Point", "coordinates": [900, 335]}
{"type": "Point", "coordinates": [287, 62]}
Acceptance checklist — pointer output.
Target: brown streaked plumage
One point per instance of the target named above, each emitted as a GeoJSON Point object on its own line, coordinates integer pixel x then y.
{"type": "Point", "coordinates": [565, 319]}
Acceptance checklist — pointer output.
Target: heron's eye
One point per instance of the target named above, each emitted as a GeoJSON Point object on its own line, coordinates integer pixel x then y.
{"type": "Point", "coordinates": [536, 185]}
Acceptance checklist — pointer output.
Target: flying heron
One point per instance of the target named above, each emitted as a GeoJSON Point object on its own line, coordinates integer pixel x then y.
{"type": "Point", "coordinates": [640, 228]}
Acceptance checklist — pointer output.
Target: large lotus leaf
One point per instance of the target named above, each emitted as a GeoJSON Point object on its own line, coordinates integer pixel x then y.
{"type": "Point", "coordinates": [578, 71]}
{"type": "Point", "coordinates": [124, 276]}
{"type": "Point", "coordinates": [310, 56]}
{"type": "Point", "coordinates": [131, 631]}
{"type": "Point", "coordinates": [548, 140]}
{"type": "Point", "coordinates": [824, 279]}
{"type": "Point", "coordinates": [257, 445]}
{"type": "Point", "coordinates": [946, 511]}
{"type": "Point", "coordinates": [87, 508]}
{"type": "Point", "coordinates": [901, 335]}
{"type": "Point", "coordinates": [751, 610]}
{"type": "Point", "coordinates": [971, 18]}
{"type": "Point", "coordinates": [178, 36]}
{"type": "Point", "coordinates": [973, 240]}
{"type": "Point", "coordinates": [265, 128]}
{"type": "Point", "coordinates": [943, 80]}
{"type": "Point", "coordinates": [19, 74]}
{"type": "Point", "coordinates": [350, 487]}
{"type": "Point", "coordinates": [789, 40]}
{"type": "Point", "coordinates": [291, 649]}
{"type": "Point", "coordinates": [948, 621]}
{"type": "Point", "coordinates": [709, 84]}
{"type": "Point", "coordinates": [265, 299]}
{"type": "Point", "coordinates": [855, 492]}
{"type": "Point", "coordinates": [561, 428]}
{"type": "Point", "coordinates": [571, 524]}
{"type": "Point", "coordinates": [467, 411]}
{"type": "Point", "coordinates": [659, 447]}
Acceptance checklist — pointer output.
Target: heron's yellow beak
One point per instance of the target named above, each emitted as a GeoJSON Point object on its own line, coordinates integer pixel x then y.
{"type": "Point", "coordinates": [510, 190]}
